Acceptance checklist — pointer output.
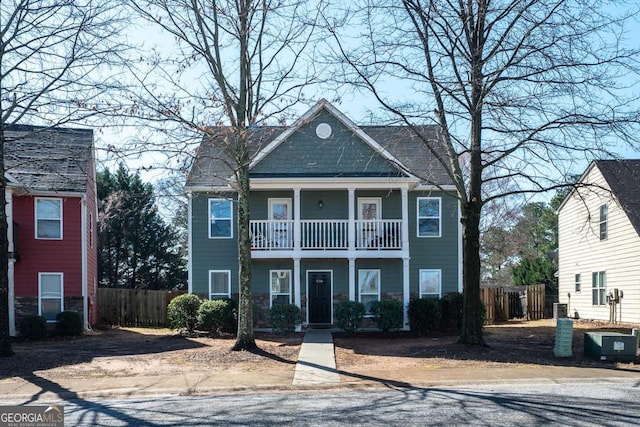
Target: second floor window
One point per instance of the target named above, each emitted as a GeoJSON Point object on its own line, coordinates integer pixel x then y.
{"type": "Point", "coordinates": [603, 222]}
{"type": "Point", "coordinates": [429, 217]}
{"type": "Point", "coordinates": [220, 218]}
{"type": "Point", "coordinates": [48, 218]}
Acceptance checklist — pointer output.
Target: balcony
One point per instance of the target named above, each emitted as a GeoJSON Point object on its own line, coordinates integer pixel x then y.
{"type": "Point", "coordinates": [326, 235]}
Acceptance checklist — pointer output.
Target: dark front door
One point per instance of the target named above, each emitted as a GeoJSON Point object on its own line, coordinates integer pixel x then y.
{"type": "Point", "coordinates": [319, 297]}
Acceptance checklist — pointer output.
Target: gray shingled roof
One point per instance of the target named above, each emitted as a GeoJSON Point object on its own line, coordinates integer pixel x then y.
{"type": "Point", "coordinates": [211, 167]}
{"type": "Point", "coordinates": [49, 159]}
{"type": "Point", "coordinates": [623, 177]}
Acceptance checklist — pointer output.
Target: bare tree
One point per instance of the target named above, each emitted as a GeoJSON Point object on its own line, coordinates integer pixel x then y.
{"type": "Point", "coordinates": [239, 64]}
{"type": "Point", "coordinates": [522, 91]}
{"type": "Point", "coordinates": [53, 55]}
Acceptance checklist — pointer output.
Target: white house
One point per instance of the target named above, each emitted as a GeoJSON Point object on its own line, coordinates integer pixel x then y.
{"type": "Point", "coordinates": [599, 243]}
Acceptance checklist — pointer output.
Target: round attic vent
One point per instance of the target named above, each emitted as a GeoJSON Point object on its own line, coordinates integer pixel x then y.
{"type": "Point", "coordinates": [323, 130]}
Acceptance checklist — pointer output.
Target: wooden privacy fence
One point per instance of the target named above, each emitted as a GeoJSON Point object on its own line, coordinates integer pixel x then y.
{"type": "Point", "coordinates": [134, 307]}
{"type": "Point", "coordinates": [503, 304]}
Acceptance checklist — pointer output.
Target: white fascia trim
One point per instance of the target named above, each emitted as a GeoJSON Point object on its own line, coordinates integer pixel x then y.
{"type": "Point", "coordinates": [306, 117]}
{"type": "Point", "coordinates": [574, 189]}
{"type": "Point", "coordinates": [209, 189]}
{"type": "Point", "coordinates": [333, 183]}
{"type": "Point", "coordinates": [57, 194]}
{"type": "Point", "coordinates": [11, 180]}
{"type": "Point", "coordinates": [431, 187]}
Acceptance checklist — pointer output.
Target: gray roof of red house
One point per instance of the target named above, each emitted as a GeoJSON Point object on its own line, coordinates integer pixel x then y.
{"type": "Point", "coordinates": [623, 177]}
{"type": "Point", "coordinates": [212, 167]}
{"type": "Point", "coordinates": [49, 159]}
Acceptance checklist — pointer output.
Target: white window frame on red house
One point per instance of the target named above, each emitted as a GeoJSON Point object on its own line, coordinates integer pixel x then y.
{"type": "Point", "coordinates": [39, 217]}
{"type": "Point", "coordinates": [50, 295]}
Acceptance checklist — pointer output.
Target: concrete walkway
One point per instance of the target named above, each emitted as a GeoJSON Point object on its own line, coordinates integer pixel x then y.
{"type": "Point", "coordinates": [316, 360]}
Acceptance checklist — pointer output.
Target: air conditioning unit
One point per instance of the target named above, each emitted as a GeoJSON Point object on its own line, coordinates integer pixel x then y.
{"type": "Point", "coordinates": [612, 346]}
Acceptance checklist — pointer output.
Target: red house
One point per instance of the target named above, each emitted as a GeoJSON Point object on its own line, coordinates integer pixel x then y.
{"type": "Point", "coordinates": [51, 213]}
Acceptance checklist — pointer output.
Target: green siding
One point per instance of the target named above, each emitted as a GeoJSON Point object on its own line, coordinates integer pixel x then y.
{"type": "Point", "coordinates": [391, 202]}
{"type": "Point", "coordinates": [340, 268]}
{"type": "Point", "coordinates": [260, 275]}
{"type": "Point", "coordinates": [390, 273]}
{"type": "Point", "coordinates": [210, 254]}
{"type": "Point", "coordinates": [335, 204]}
{"type": "Point", "coordinates": [435, 252]}
{"type": "Point", "coordinates": [259, 203]}
{"type": "Point", "coordinates": [342, 153]}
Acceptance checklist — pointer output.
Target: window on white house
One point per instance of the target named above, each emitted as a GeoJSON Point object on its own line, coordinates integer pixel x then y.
{"type": "Point", "coordinates": [280, 287]}
{"type": "Point", "coordinates": [220, 218]}
{"type": "Point", "coordinates": [48, 218]}
{"type": "Point", "coordinates": [598, 287]}
{"type": "Point", "coordinates": [429, 216]}
{"type": "Point", "coordinates": [50, 295]}
{"type": "Point", "coordinates": [578, 282]}
{"type": "Point", "coordinates": [219, 284]}
{"type": "Point", "coordinates": [368, 288]}
{"type": "Point", "coordinates": [603, 222]}
{"type": "Point", "coordinates": [430, 283]}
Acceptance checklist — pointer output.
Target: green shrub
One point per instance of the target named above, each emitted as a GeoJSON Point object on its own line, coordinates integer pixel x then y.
{"type": "Point", "coordinates": [217, 315]}
{"type": "Point", "coordinates": [424, 315]}
{"type": "Point", "coordinates": [451, 305]}
{"type": "Point", "coordinates": [182, 312]}
{"type": "Point", "coordinates": [69, 323]}
{"type": "Point", "coordinates": [33, 327]}
{"type": "Point", "coordinates": [387, 315]}
{"type": "Point", "coordinates": [285, 317]}
{"type": "Point", "coordinates": [349, 315]}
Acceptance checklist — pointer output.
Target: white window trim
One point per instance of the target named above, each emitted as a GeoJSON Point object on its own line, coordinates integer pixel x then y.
{"type": "Point", "coordinates": [604, 301]}
{"type": "Point", "coordinates": [213, 295]}
{"type": "Point", "coordinates": [35, 215]}
{"type": "Point", "coordinates": [418, 217]}
{"type": "Point", "coordinates": [230, 219]}
{"type": "Point", "coordinates": [40, 274]}
{"type": "Point", "coordinates": [280, 201]}
{"type": "Point", "coordinates": [271, 293]}
{"type": "Point", "coordinates": [379, 276]}
{"type": "Point", "coordinates": [577, 281]}
{"type": "Point", "coordinates": [605, 221]}
{"type": "Point", "coordinates": [430, 270]}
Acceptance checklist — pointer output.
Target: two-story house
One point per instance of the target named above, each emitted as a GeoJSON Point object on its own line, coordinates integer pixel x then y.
{"type": "Point", "coordinates": [599, 243]}
{"type": "Point", "coordinates": [338, 212]}
{"type": "Point", "coordinates": [52, 213]}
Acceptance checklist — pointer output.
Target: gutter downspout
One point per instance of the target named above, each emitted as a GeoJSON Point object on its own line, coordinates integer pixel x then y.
{"type": "Point", "coordinates": [83, 248]}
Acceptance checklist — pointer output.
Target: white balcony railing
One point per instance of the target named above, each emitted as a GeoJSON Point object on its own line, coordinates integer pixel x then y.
{"type": "Point", "coordinates": [326, 234]}
{"type": "Point", "coordinates": [379, 234]}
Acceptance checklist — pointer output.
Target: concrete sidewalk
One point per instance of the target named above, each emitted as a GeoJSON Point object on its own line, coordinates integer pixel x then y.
{"type": "Point", "coordinates": [316, 369]}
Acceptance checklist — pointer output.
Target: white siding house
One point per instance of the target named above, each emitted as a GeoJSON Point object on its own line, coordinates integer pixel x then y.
{"type": "Point", "coordinates": [599, 242]}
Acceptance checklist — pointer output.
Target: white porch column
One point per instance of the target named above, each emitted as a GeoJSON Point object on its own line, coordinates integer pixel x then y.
{"type": "Point", "coordinates": [297, 300]}
{"type": "Point", "coordinates": [406, 290]}
{"type": "Point", "coordinates": [297, 229]}
{"type": "Point", "coordinates": [12, 309]}
{"type": "Point", "coordinates": [352, 219]}
{"type": "Point", "coordinates": [405, 218]}
{"type": "Point", "coordinates": [352, 279]}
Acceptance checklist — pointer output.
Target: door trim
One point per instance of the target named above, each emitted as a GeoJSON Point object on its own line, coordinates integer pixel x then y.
{"type": "Point", "coordinates": [307, 293]}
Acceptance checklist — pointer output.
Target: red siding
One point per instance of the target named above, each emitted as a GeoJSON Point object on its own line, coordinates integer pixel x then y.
{"type": "Point", "coordinates": [54, 256]}
{"type": "Point", "coordinates": [92, 245]}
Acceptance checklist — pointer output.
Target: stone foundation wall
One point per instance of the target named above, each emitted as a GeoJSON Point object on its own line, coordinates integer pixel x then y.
{"type": "Point", "coordinates": [28, 306]}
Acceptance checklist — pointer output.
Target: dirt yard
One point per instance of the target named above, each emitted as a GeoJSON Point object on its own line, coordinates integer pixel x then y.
{"type": "Point", "coordinates": [150, 352]}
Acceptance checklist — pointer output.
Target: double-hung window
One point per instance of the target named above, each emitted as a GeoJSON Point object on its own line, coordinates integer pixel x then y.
{"type": "Point", "coordinates": [280, 287]}
{"type": "Point", "coordinates": [220, 218]}
{"type": "Point", "coordinates": [599, 287]}
{"type": "Point", "coordinates": [50, 295]}
{"type": "Point", "coordinates": [603, 222]}
{"type": "Point", "coordinates": [430, 283]}
{"type": "Point", "coordinates": [577, 279]}
{"type": "Point", "coordinates": [48, 218]}
{"type": "Point", "coordinates": [368, 288]}
{"type": "Point", "coordinates": [429, 216]}
{"type": "Point", "coordinates": [219, 284]}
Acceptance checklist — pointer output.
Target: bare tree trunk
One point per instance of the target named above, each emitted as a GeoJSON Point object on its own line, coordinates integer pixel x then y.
{"type": "Point", "coordinates": [5, 338]}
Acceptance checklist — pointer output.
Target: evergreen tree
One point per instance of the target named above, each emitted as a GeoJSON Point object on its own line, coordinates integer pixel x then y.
{"type": "Point", "coordinates": [137, 250]}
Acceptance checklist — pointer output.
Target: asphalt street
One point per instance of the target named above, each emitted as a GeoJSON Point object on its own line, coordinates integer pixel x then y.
{"type": "Point", "coordinates": [576, 403]}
